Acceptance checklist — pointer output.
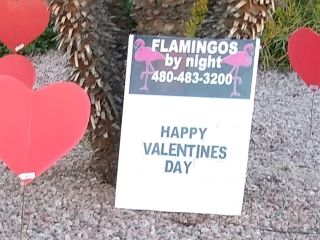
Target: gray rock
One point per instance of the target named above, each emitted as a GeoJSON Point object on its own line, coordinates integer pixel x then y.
{"type": "Point", "coordinates": [282, 194]}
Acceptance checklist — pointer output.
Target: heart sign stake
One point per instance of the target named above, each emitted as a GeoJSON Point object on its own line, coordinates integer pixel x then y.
{"type": "Point", "coordinates": [22, 21]}
{"type": "Point", "coordinates": [304, 52]}
{"type": "Point", "coordinates": [19, 67]}
{"type": "Point", "coordinates": [38, 127]}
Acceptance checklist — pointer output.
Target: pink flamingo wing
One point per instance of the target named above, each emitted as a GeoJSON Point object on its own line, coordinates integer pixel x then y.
{"type": "Point", "coordinates": [146, 54]}
{"type": "Point", "coordinates": [238, 59]}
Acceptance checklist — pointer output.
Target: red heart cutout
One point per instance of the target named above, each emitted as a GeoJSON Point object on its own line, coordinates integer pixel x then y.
{"type": "Point", "coordinates": [19, 67]}
{"type": "Point", "coordinates": [39, 127]}
{"type": "Point", "coordinates": [304, 55]}
{"type": "Point", "coordinates": [22, 21]}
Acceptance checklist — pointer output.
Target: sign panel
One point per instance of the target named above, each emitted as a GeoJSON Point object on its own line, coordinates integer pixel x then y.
{"type": "Point", "coordinates": [186, 124]}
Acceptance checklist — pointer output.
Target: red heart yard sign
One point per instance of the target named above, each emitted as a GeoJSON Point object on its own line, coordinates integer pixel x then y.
{"type": "Point", "coordinates": [39, 127]}
{"type": "Point", "coordinates": [304, 55]}
{"type": "Point", "coordinates": [22, 21]}
{"type": "Point", "coordinates": [19, 67]}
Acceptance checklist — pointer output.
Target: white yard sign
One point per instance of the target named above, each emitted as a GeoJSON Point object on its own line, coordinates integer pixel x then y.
{"type": "Point", "coordinates": [186, 124]}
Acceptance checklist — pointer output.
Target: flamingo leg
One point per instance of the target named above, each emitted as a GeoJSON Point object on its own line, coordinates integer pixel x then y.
{"type": "Point", "coordinates": [235, 81]}
{"type": "Point", "coordinates": [151, 68]}
{"type": "Point", "coordinates": [232, 70]}
{"type": "Point", "coordinates": [238, 78]}
{"type": "Point", "coordinates": [145, 74]}
{"type": "Point", "coordinates": [142, 75]}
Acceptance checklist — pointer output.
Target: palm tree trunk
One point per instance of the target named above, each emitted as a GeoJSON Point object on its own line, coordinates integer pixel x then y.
{"type": "Point", "coordinates": [93, 36]}
{"type": "Point", "coordinates": [238, 18]}
{"type": "Point", "coordinates": [168, 17]}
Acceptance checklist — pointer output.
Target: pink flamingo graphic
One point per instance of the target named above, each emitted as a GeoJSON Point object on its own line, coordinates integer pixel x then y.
{"type": "Point", "coordinates": [239, 59]}
{"type": "Point", "coordinates": [145, 54]}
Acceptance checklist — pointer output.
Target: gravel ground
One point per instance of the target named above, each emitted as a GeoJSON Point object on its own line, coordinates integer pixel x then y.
{"type": "Point", "coordinates": [282, 195]}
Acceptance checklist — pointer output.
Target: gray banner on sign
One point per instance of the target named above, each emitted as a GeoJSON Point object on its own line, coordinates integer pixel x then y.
{"type": "Point", "coordinates": [174, 66]}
